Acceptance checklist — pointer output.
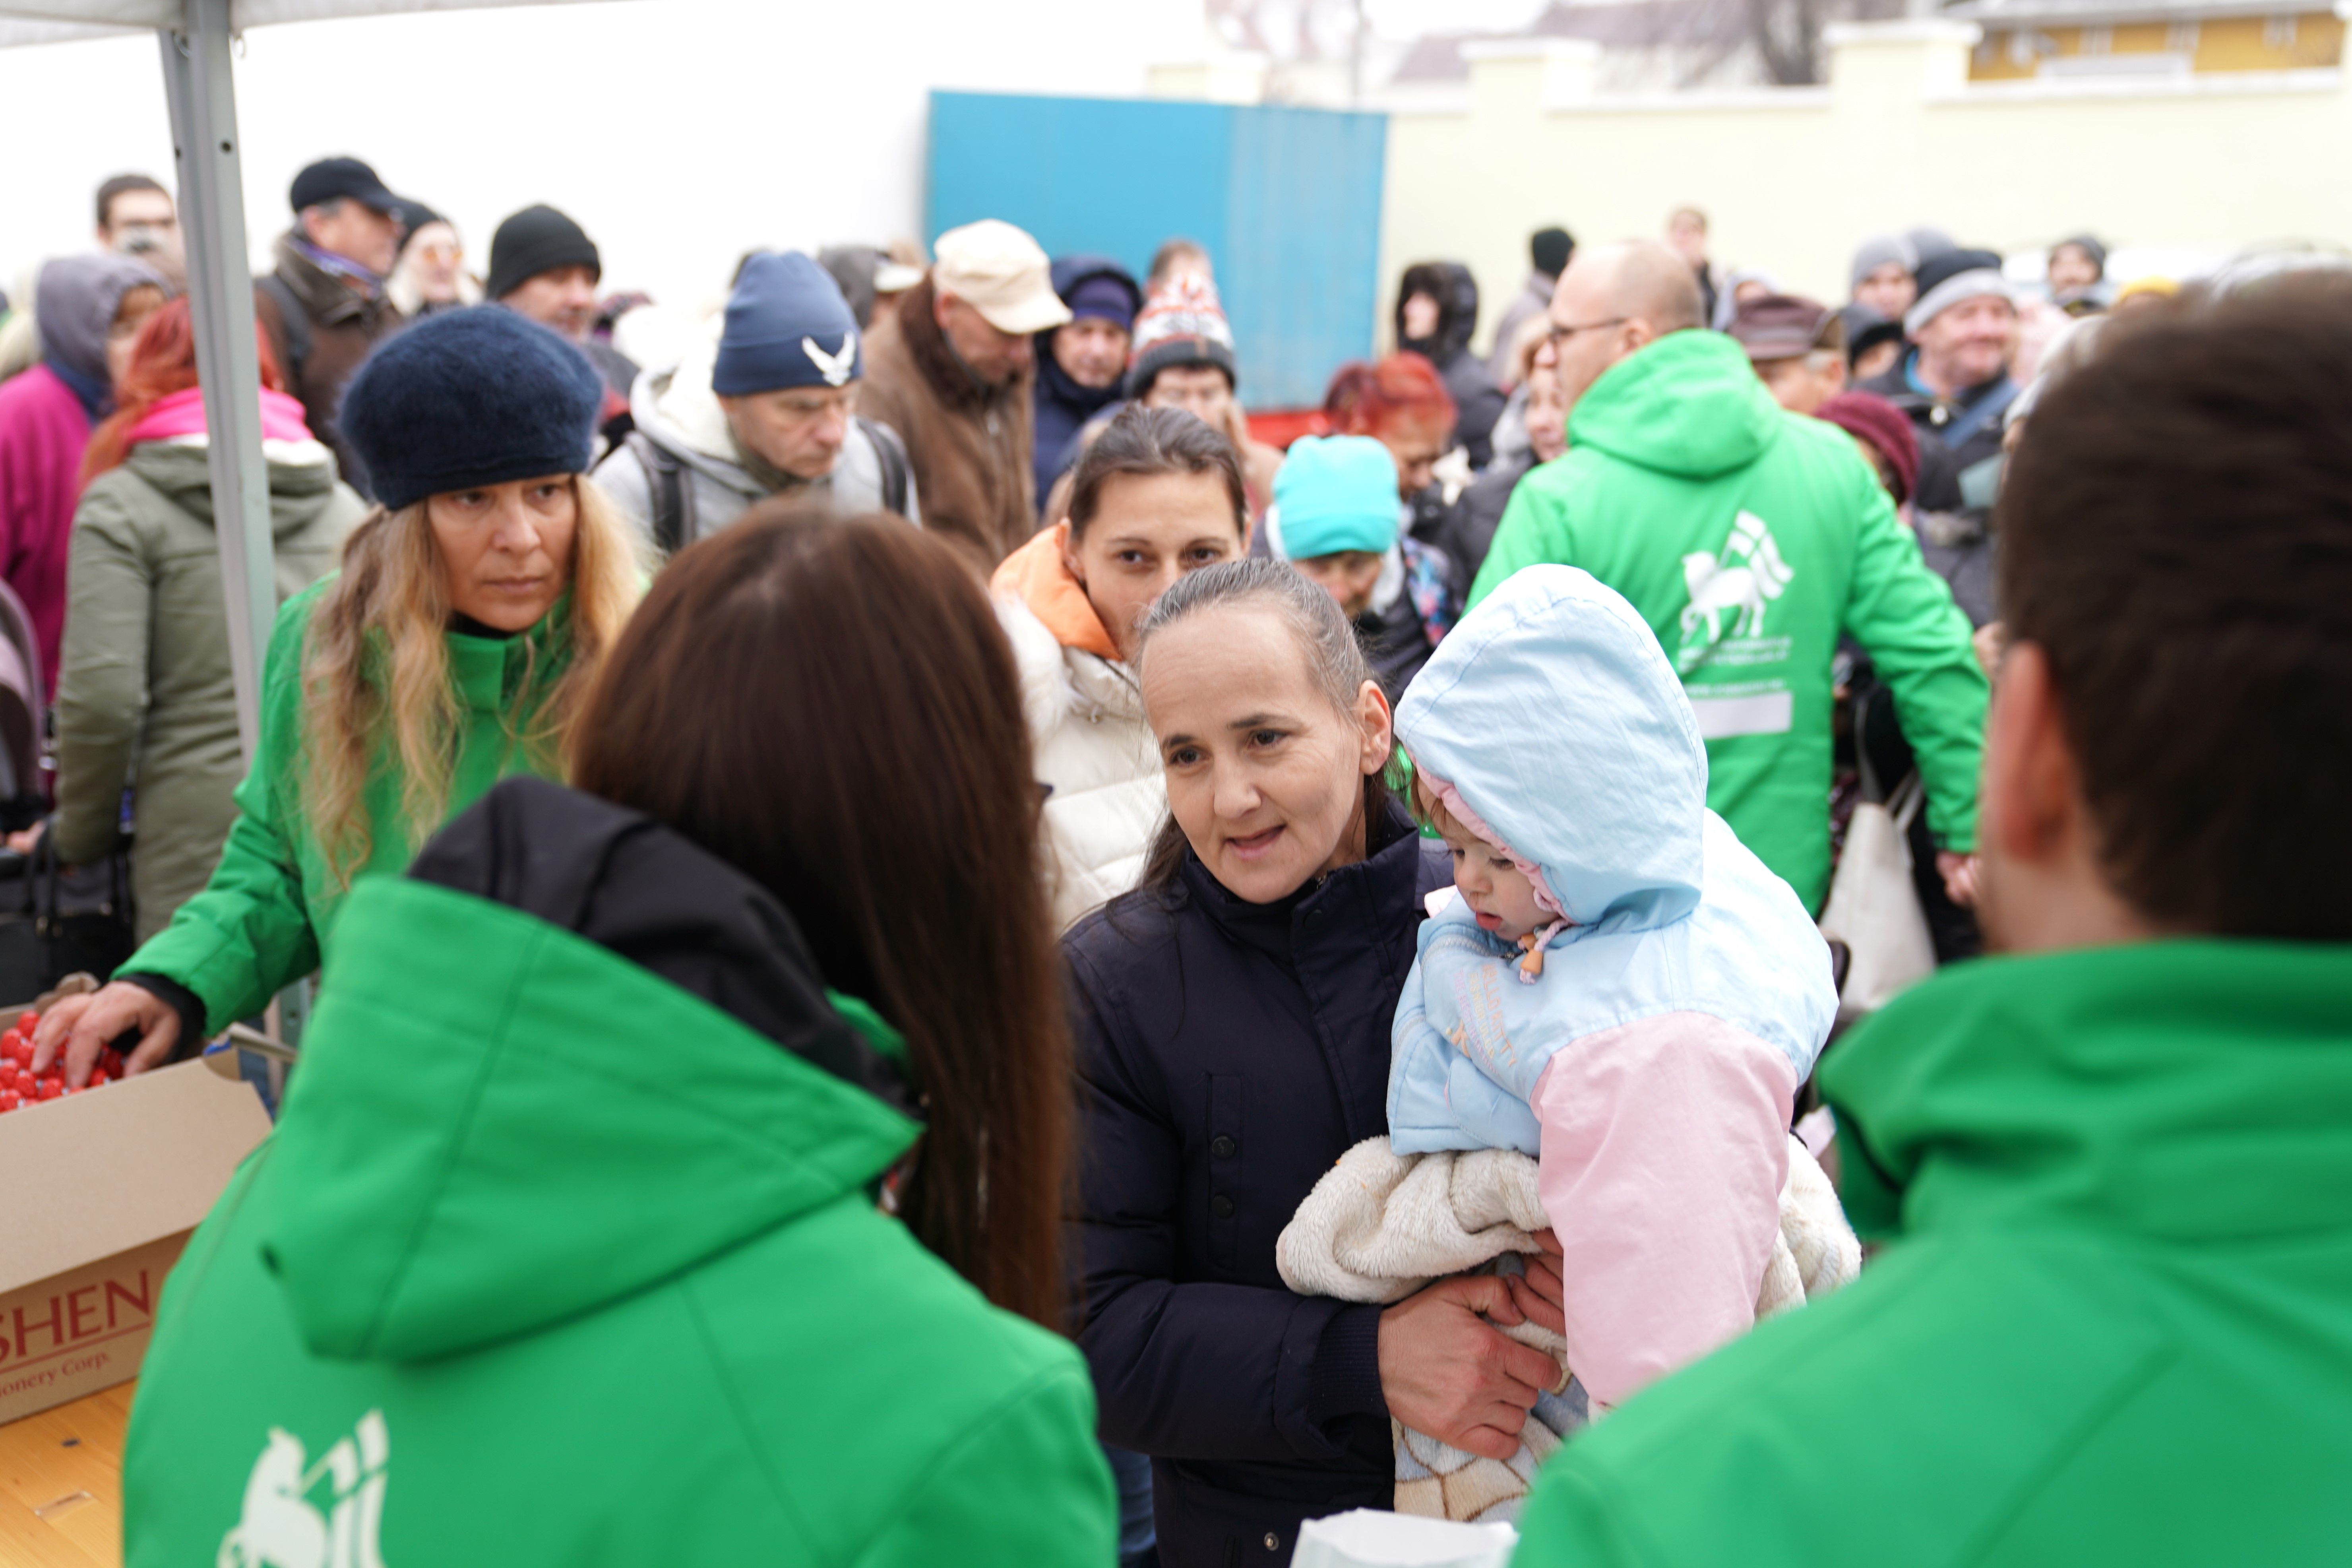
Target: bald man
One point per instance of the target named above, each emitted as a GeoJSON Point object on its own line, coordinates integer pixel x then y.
{"type": "Point", "coordinates": [1749, 538]}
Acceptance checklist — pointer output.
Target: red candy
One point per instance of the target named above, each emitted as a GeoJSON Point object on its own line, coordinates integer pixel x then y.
{"type": "Point", "coordinates": [19, 1087]}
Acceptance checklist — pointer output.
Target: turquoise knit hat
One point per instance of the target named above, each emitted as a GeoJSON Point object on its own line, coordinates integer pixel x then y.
{"type": "Point", "coordinates": [1334, 493]}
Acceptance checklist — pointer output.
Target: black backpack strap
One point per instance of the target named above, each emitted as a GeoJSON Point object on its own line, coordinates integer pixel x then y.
{"type": "Point", "coordinates": [668, 489]}
{"type": "Point", "coordinates": [892, 454]}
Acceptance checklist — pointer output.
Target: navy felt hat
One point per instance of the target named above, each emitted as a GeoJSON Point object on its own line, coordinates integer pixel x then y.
{"type": "Point", "coordinates": [787, 325]}
{"type": "Point", "coordinates": [472, 398]}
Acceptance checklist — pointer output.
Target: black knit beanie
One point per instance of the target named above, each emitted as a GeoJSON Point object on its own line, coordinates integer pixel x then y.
{"type": "Point", "coordinates": [535, 240]}
{"type": "Point", "coordinates": [468, 398]}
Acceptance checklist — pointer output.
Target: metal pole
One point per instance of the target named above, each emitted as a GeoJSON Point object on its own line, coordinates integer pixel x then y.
{"type": "Point", "coordinates": [203, 97]}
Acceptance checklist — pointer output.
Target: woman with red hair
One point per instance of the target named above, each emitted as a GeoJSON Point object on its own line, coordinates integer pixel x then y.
{"type": "Point", "coordinates": [144, 699]}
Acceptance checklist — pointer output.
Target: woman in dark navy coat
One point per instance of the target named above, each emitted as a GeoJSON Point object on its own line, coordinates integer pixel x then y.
{"type": "Point", "coordinates": [1233, 1019]}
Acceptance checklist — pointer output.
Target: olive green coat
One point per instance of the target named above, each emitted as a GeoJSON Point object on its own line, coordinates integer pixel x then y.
{"type": "Point", "coordinates": [144, 699]}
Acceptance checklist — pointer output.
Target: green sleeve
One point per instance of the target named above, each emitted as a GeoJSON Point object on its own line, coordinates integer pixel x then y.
{"type": "Point", "coordinates": [101, 702]}
{"type": "Point", "coordinates": [1039, 1448]}
{"type": "Point", "coordinates": [249, 935]}
{"type": "Point", "coordinates": [1534, 530]}
{"type": "Point", "coordinates": [1903, 616]}
{"type": "Point", "coordinates": [1571, 1522]}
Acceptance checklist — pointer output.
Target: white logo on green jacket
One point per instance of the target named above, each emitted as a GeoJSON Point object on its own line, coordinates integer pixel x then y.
{"type": "Point", "coordinates": [1730, 589]}
{"type": "Point", "coordinates": [280, 1528]}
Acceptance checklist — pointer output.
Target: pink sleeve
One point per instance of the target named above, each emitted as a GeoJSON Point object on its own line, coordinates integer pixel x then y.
{"type": "Point", "coordinates": [1664, 1147]}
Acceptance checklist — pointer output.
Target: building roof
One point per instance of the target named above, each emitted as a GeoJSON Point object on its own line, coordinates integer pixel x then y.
{"type": "Point", "coordinates": [1992, 14]}
{"type": "Point", "coordinates": [1612, 23]}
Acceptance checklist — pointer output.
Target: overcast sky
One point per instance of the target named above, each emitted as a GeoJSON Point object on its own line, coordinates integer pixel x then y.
{"type": "Point", "coordinates": [680, 133]}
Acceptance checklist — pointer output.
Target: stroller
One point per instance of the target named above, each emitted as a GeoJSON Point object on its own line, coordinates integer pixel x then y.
{"type": "Point", "coordinates": [65, 920]}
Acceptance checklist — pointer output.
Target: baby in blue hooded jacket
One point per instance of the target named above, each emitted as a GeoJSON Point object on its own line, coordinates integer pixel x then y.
{"type": "Point", "coordinates": [1618, 987]}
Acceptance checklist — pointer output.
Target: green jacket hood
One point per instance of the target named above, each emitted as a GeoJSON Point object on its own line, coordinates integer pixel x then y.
{"type": "Point", "coordinates": [456, 1156]}
{"type": "Point", "coordinates": [1689, 404]}
{"type": "Point", "coordinates": [2185, 1091]}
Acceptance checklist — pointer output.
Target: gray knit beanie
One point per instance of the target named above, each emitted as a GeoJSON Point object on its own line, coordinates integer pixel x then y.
{"type": "Point", "coordinates": [1877, 251]}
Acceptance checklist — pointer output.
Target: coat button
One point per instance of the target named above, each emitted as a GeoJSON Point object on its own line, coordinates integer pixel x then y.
{"type": "Point", "coordinates": [1222, 1147]}
{"type": "Point", "coordinates": [1273, 1542]}
{"type": "Point", "coordinates": [1221, 1207]}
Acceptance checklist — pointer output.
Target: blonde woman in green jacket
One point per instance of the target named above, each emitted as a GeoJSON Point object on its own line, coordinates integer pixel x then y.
{"type": "Point", "coordinates": [474, 608]}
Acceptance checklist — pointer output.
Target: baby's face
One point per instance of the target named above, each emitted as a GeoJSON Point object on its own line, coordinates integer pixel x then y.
{"type": "Point", "coordinates": [1499, 892]}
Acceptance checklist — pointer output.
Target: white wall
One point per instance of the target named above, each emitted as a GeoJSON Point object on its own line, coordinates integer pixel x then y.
{"type": "Point", "coordinates": [679, 132]}
{"type": "Point", "coordinates": [1793, 178]}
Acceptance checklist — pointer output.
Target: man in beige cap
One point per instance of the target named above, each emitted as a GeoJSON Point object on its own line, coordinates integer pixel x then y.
{"type": "Point", "coordinates": [949, 370]}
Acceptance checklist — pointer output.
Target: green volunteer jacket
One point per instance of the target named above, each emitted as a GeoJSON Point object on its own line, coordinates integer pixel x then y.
{"type": "Point", "coordinates": [1749, 537]}
{"type": "Point", "coordinates": [2114, 1320]}
{"type": "Point", "coordinates": [263, 921]}
{"type": "Point", "coordinates": [552, 1262]}
{"type": "Point", "coordinates": [144, 695]}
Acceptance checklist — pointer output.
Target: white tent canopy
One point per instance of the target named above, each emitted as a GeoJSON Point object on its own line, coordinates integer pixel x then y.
{"type": "Point", "coordinates": [195, 47]}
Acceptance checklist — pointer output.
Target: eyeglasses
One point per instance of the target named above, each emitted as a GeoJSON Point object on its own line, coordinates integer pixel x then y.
{"type": "Point", "coordinates": [1559, 334]}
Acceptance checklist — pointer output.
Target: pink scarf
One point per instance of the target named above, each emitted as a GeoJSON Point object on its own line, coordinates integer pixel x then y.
{"type": "Point", "coordinates": [183, 414]}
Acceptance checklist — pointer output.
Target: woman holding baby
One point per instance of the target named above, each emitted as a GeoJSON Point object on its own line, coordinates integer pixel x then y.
{"type": "Point", "coordinates": [1234, 1019]}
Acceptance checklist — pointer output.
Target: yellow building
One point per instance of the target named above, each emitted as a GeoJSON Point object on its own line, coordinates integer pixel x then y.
{"type": "Point", "coordinates": [2119, 38]}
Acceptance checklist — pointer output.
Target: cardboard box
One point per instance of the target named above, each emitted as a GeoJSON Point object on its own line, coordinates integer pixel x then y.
{"type": "Point", "coordinates": [102, 1190]}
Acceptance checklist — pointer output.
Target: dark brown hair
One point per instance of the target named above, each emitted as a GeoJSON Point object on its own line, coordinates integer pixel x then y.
{"type": "Point", "coordinates": [828, 705]}
{"type": "Point", "coordinates": [2176, 531]}
{"type": "Point", "coordinates": [122, 185]}
{"type": "Point", "coordinates": [1142, 442]}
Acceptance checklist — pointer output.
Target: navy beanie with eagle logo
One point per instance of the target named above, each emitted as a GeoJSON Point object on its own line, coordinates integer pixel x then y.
{"type": "Point", "coordinates": [787, 325]}
{"type": "Point", "coordinates": [468, 398]}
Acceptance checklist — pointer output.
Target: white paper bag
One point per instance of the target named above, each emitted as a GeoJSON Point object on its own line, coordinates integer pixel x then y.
{"type": "Point", "coordinates": [1368, 1537]}
{"type": "Point", "coordinates": [1874, 905]}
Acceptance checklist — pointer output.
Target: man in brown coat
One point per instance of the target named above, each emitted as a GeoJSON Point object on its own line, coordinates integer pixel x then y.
{"type": "Point", "coordinates": [950, 372]}
{"type": "Point", "coordinates": [323, 305]}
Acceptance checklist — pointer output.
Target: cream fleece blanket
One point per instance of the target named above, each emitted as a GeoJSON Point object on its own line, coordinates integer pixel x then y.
{"type": "Point", "coordinates": [1380, 1226]}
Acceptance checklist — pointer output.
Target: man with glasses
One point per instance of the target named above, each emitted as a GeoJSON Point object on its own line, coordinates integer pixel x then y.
{"type": "Point", "coordinates": [769, 409]}
{"type": "Point", "coordinates": [1749, 539]}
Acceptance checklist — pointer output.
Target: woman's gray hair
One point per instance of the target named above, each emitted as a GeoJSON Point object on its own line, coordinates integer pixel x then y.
{"type": "Point", "coordinates": [1334, 657]}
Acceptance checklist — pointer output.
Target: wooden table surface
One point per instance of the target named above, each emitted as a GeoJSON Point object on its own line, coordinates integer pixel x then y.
{"type": "Point", "coordinates": [61, 1484]}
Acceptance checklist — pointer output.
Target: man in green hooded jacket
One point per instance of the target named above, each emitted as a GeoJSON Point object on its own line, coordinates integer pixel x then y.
{"type": "Point", "coordinates": [1749, 539]}
{"type": "Point", "coordinates": [2113, 1319]}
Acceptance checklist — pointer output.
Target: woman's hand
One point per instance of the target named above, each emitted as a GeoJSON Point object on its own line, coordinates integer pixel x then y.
{"type": "Point", "coordinates": [80, 1027]}
{"type": "Point", "coordinates": [1448, 1371]}
{"type": "Point", "coordinates": [25, 840]}
{"type": "Point", "coordinates": [1539, 1294]}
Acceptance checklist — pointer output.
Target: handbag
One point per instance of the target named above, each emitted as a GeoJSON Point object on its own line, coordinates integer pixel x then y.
{"type": "Point", "coordinates": [69, 921]}
{"type": "Point", "coordinates": [1874, 905]}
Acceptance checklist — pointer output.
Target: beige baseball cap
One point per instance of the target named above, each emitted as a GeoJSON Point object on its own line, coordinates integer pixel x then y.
{"type": "Point", "coordinates": [1002, 273]}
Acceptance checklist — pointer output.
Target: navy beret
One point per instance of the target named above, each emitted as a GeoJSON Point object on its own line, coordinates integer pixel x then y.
{"type": "Point", "coordinates": [468, 398]}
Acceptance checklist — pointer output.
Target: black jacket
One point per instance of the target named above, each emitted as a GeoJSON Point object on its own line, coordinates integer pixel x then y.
{"type": "Point", "coordinates": [1064, 407]}
{"type": "Point", "coordinates": [1943, 460]}
{"type": "Point", "coordinates": [1229, 1053]}
{"type": "Point", "coordinates": [1477, 401]}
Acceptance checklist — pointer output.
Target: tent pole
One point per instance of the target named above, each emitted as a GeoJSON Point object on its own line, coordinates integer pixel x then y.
{"type": "Point", "coordinates": [220, 285]}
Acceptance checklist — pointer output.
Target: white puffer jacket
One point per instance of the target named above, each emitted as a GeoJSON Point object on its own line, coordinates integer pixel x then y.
{"type": "Point", "coordinates": [1086, 724]}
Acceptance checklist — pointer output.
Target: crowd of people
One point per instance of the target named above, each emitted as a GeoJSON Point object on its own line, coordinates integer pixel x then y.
{"type": "Point", "coordinates": [868, 859]}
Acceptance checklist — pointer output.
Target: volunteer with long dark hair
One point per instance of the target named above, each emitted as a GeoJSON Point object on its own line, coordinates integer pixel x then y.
{"type": "Point", "coordinates": [582, 1251]}
{"type": "Point", "coordinates": [474, 606]}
